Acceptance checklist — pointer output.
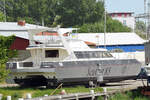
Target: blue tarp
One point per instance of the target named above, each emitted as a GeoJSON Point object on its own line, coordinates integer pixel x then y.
{"type": "Point", "coordinates": [125, 48]}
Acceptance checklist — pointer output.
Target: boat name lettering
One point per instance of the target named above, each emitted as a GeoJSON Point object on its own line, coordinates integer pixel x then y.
{"type": "Point", "coordinates": [95, 72]}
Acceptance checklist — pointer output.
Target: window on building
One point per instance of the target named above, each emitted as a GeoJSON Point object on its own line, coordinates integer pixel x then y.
{"type": "Point", "coordinates": [51, 53]}
{"type": "Point", "coordinates": [124, 22]}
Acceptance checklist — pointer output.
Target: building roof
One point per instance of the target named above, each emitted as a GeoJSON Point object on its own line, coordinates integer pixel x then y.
{"type": "Point", "coordinates": [21, 34]}
{"type": "Point", "coordinates": [13, 26]}
{"type": "Point", "coordinates": [111, 38]}
{"type": "Point", "coordinates": [121, 13]}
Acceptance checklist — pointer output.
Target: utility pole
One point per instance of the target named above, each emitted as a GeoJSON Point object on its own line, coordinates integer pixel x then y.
{"type": "Point", "coordinates": [148, 21]}
{"type": "Point", "coordinates": [145, 19]}
{"type": "Point", "coordinates": [5, 10]}
{"type": "Point", "coordinates": [104, 24]}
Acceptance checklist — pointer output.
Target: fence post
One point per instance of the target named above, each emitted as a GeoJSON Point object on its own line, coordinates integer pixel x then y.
{"type": "Point", "coordinates": [1, 96]}
{"type": "Point", "coordinates": [28, 96]}
{"type": "Point", "coordinates": [105, 93]}
{"type": "Point", "coordinates": [8, 97]}
{"type": "Point", "coordinates": [76, 96]}
{"type": "Point", "coordinates": [93, 96]}
{"type": "Point", "coordinates": [46, 95]}
{"type": "Point", "coordinates": [20, 98]}
{"type": "Point", "coordinates": [59, 98]}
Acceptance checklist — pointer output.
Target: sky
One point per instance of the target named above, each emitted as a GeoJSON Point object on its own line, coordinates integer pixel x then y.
{"type": "Point", "coordinates": [136, 6]}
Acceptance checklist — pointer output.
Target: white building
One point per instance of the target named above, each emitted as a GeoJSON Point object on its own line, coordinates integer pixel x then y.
{"type": "Point", "coordinates": [126, 18]}
{"type": "Point", "coordinates": [128, 42]}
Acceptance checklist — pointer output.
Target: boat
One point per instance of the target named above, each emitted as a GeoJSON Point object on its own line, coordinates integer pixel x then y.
{"type": "Point", "coordinates": [60, 59]}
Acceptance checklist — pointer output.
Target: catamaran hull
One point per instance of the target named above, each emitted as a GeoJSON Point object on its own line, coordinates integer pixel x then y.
{"type": "Point", "coordinates": [77, 72]}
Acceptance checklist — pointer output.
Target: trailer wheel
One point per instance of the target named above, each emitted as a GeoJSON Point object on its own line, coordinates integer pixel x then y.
{"type": "Point", "coordinates": [51, 85]}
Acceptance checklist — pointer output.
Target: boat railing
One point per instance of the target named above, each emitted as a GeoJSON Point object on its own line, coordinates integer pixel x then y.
{"type": "Point", "coordinates": [48, 39]}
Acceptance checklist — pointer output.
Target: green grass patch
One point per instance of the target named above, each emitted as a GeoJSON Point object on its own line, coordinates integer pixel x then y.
{"type": "Point", "coordinates": [130, 95]}
{"type": "Point", "coordinates": [17, 92]}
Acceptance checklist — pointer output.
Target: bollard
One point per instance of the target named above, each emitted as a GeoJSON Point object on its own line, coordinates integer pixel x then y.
{"type": "Point", "coordinates": [28, 96]}
{"type": "Point", "coordinates": [76, 96]}
{"type": "Point", "coordinates": [20, 98]}
{"type": "Point", "coordinates": [1, 96]}
{"type": "Point", "coordinates": [8, 97]}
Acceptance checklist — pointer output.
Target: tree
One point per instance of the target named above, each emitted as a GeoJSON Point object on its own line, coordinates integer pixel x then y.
{"type": "Point", "coordinates": [2, 17]}
{"type": "Point", "coordinates": [140, 29]}
{"type": "Point", "coordinates": [140, 25]}
{"type": "Point", "coordinates": [79, 12]}
{"type": "Point", "coordinates": [98, 27]}
{"type": "Point", "coordinates": [5, 54]}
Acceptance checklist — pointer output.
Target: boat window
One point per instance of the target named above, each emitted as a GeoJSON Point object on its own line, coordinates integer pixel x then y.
{"type": "Point", "coordinates": [92, 54]}
{"type": "Point", "coordinates": [51, 53]}
{"type": "Point", "coordinates": [106, 54]}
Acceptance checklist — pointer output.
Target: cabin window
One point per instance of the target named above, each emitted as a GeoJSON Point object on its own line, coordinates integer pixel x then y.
{"type": "Point", "coordinates": [51, 53]}
{"type": "Point", "coordinates": [92, 54]}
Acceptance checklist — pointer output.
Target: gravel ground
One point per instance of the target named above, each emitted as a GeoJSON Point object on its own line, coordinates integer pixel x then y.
{"type": "Point", "coordinates": [126, 85]}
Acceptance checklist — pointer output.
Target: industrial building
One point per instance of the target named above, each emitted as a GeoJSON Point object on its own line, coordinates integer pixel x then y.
{"type": "Point", "coordinates": [127, 42]}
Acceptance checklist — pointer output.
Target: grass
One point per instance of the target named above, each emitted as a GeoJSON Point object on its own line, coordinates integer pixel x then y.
{"type": "Point", "coordinates": [130, 95]}
{"type": "Point", "coordinates": [17, 92]}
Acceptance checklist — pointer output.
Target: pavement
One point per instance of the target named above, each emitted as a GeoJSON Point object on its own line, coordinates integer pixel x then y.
{"type": "Point", "coordinates": [126, 85]}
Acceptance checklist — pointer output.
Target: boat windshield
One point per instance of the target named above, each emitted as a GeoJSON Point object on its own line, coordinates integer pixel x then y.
{"type": "Point", "coordinates": [92, 54]}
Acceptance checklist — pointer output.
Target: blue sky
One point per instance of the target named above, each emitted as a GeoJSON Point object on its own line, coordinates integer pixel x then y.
{"type": "Point", "coordinates": [136, 6]}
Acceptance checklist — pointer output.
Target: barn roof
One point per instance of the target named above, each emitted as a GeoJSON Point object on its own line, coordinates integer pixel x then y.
{"type": "Point", "coordinates": [111, 38]}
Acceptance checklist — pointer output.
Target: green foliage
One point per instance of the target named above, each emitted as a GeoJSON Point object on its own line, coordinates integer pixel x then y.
{"type": "Point", "coordinates": [98, 27]}
{"type": "Point", "coordinates": [80, 12]}
{"type": "Point", "coordinates": [3, 72]}
{"type": "Point", "coordinates": [2, 17]}
{"type": "Point", "coordinates": [141, 26]}
{"type": "Point", "coordinates": [138, 32]}
{"type": "Point", "coordinates": [130, 95]}
{"type": "Point", "coordinates": [5, 54]}
{"type": "Point", "coordinates": [37, 92]}
{"type": "Point", "coordinates": [87, 14]}
{"type": "Point", "coordinates": [140, 29]}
